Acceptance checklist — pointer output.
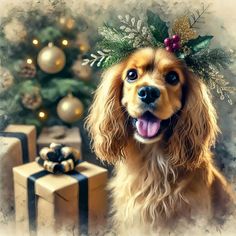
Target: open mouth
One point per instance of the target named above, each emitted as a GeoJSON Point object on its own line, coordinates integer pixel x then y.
{"type": "Point", "coordinates": [147, 126]}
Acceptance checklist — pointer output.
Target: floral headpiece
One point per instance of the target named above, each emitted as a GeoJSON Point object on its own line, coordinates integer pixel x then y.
{"type": "Point", "coordinates": [181, 38]}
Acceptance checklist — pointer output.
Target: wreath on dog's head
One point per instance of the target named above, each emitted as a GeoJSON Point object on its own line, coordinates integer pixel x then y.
{"type": "Point", "coordinates": [181, 38]}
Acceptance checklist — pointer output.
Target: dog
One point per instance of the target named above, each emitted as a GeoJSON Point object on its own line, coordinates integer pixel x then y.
{"type": "Point", "coordinates": [153, 119]}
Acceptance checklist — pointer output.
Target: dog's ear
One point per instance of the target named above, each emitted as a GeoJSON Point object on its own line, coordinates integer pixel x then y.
{"type": "Point", "coordinates": [196, 128]}
{"type": "Point", "coordinates": [106, 119]}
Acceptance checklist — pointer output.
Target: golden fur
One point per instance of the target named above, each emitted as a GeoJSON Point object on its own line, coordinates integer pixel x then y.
{"type": "Point", "coordinates": [172, 177]}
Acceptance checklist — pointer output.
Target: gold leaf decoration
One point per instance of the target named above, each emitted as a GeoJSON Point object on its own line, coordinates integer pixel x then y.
{"type": "Point", "coordinates": [218, 83]}
{"type": "Point", "coordinates": [182, 28]}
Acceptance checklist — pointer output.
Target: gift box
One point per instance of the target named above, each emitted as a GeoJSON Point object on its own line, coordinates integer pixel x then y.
{"type": "Point", "coordinates": [60, 134]}
{"type": "Point", "coordinates": [17, 146]}
{"type": "Point", "coordinates": [71, 203]}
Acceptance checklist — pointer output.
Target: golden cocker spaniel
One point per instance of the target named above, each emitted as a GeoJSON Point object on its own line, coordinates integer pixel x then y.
{"type": "Point", "coordinates": [154, 120]}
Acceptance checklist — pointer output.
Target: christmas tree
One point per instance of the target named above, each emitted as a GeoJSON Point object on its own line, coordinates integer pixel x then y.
{"type": "Point", "coordinates": [42, 81]}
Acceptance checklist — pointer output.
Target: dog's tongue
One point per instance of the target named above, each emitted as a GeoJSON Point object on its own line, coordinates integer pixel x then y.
{"type": "Point", "coordinates": [148, 127]}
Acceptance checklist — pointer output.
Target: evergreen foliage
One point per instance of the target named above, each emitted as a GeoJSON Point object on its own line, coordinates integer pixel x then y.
{"type": "Point", "coordinates": [45, 28]}
{"type": "Point", "coordinates": [118, 42]}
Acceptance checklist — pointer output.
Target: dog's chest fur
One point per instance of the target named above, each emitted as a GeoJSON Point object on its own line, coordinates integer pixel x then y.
{"type": "Point", "coordinates": [148, 193]}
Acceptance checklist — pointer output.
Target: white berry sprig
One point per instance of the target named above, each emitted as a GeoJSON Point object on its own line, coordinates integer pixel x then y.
{"type": "Point", "coordinates": [97, 58]}
{"type": "Point", "coordinates": [138, 34]}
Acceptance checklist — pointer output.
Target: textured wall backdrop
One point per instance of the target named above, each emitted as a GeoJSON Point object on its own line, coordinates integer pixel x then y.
{"type": "Point", "coordinates": [221, 22]}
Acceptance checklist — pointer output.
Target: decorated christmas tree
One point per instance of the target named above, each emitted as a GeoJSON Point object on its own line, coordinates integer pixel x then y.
{"type": "Point", "coordinates": [42, 81]}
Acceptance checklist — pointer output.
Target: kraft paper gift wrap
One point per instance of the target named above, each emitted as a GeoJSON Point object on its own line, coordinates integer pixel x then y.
{"type": "Point", "coordinates": [60, 134]}
{"type": "Point", "coordinates": [17, 146]}
{"type": "Point", "coordinates": [65, 204]}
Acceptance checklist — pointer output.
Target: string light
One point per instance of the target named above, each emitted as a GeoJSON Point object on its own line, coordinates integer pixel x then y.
{"type": "Point", "coordinates": [62, 20]}
{"type": "Point", "coordinates": [67, 22]}
{"type": "Point", "coordinates": [42, 114]}
{"type": "Point", "coordinates": [29, 61]}
{"type": "Point", "coordinates": [64, 42]}
{"type": "Point", "coordinates": [82, 48]}
{"type": "Point", "coordinates": [35, 41]}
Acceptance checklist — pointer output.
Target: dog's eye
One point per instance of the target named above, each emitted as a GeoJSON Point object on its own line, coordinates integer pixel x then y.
{"type": "Point", "coordinates": [132, 75]}
{"type": "Point", "coordinates": [172, 78]}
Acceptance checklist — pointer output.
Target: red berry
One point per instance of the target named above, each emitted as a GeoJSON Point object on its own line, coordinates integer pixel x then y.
{"type": "Point", "coordinates": [176, 38]}
{"type": "Point", "coordinates": [169, 49]}
{"type": "Point", "coordinates": [175, 46]}
{"type": "Point", "coordinates": [168, 41]}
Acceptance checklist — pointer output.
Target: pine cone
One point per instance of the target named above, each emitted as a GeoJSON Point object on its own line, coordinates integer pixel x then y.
{"type": "Point", "coordinates": [82, 42]}
{"type": "Point", "coordinates": [6, 79]}
{"type": "Point", "coordinates": [27, 70]}
{"type": "Point", "coordinates": [80, 71]}
{"type": "Point", "coordinates": [32, 100]}
{"type": "Point", "coordinates": [15, 31]}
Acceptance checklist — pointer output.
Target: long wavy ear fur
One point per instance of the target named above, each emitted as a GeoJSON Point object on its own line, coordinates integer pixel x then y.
{"type": "Point", "coordinates": [196, 128]}
{"type": "Point", "coordinates": [106, 120]}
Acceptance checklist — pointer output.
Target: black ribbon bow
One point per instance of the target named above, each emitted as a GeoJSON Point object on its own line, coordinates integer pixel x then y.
{"type": "Point", "coordinates": [58, 158]}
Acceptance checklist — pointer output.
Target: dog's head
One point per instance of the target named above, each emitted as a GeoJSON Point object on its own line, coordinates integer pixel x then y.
{"type": "Point", "coordinates": [151, 97]}
{"type": "Point", "coordinates": [153, 84]}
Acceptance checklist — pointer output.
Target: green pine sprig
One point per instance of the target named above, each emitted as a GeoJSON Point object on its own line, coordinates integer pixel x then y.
{"type": "Point", "coordinates": [197, 16]}
{"type": "Point", "coordinates": [115, 46]}
{"type": "Point", "coordinates": [217, 57]}
{"type": "Point", "coordinates": [208, 64]}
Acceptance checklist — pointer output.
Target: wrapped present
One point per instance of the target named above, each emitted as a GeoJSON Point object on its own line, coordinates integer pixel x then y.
{"type": "Point", "coordinates": [59, 204]}
{"type": "Point", "coordinates": [60, 134]}
{"type": "Point", "coordinates": [17, 146]}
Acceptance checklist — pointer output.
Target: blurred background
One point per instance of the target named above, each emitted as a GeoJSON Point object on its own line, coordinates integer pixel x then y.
{"type": "Point", "coordinates": [43, 82]}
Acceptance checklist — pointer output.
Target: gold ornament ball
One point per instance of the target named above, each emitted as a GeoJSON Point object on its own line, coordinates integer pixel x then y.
{"type": "Point", "coordinates": [70, 109]}
{"type": "Point", "coordinates": [51, 59]}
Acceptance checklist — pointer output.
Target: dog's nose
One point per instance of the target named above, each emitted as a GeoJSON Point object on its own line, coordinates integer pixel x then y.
{"type": "Point", "coordinates": [148, 94]}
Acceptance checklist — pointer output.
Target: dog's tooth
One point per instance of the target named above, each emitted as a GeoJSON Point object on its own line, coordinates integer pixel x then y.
{"type": "Point", "coordinates": [134, 122]}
